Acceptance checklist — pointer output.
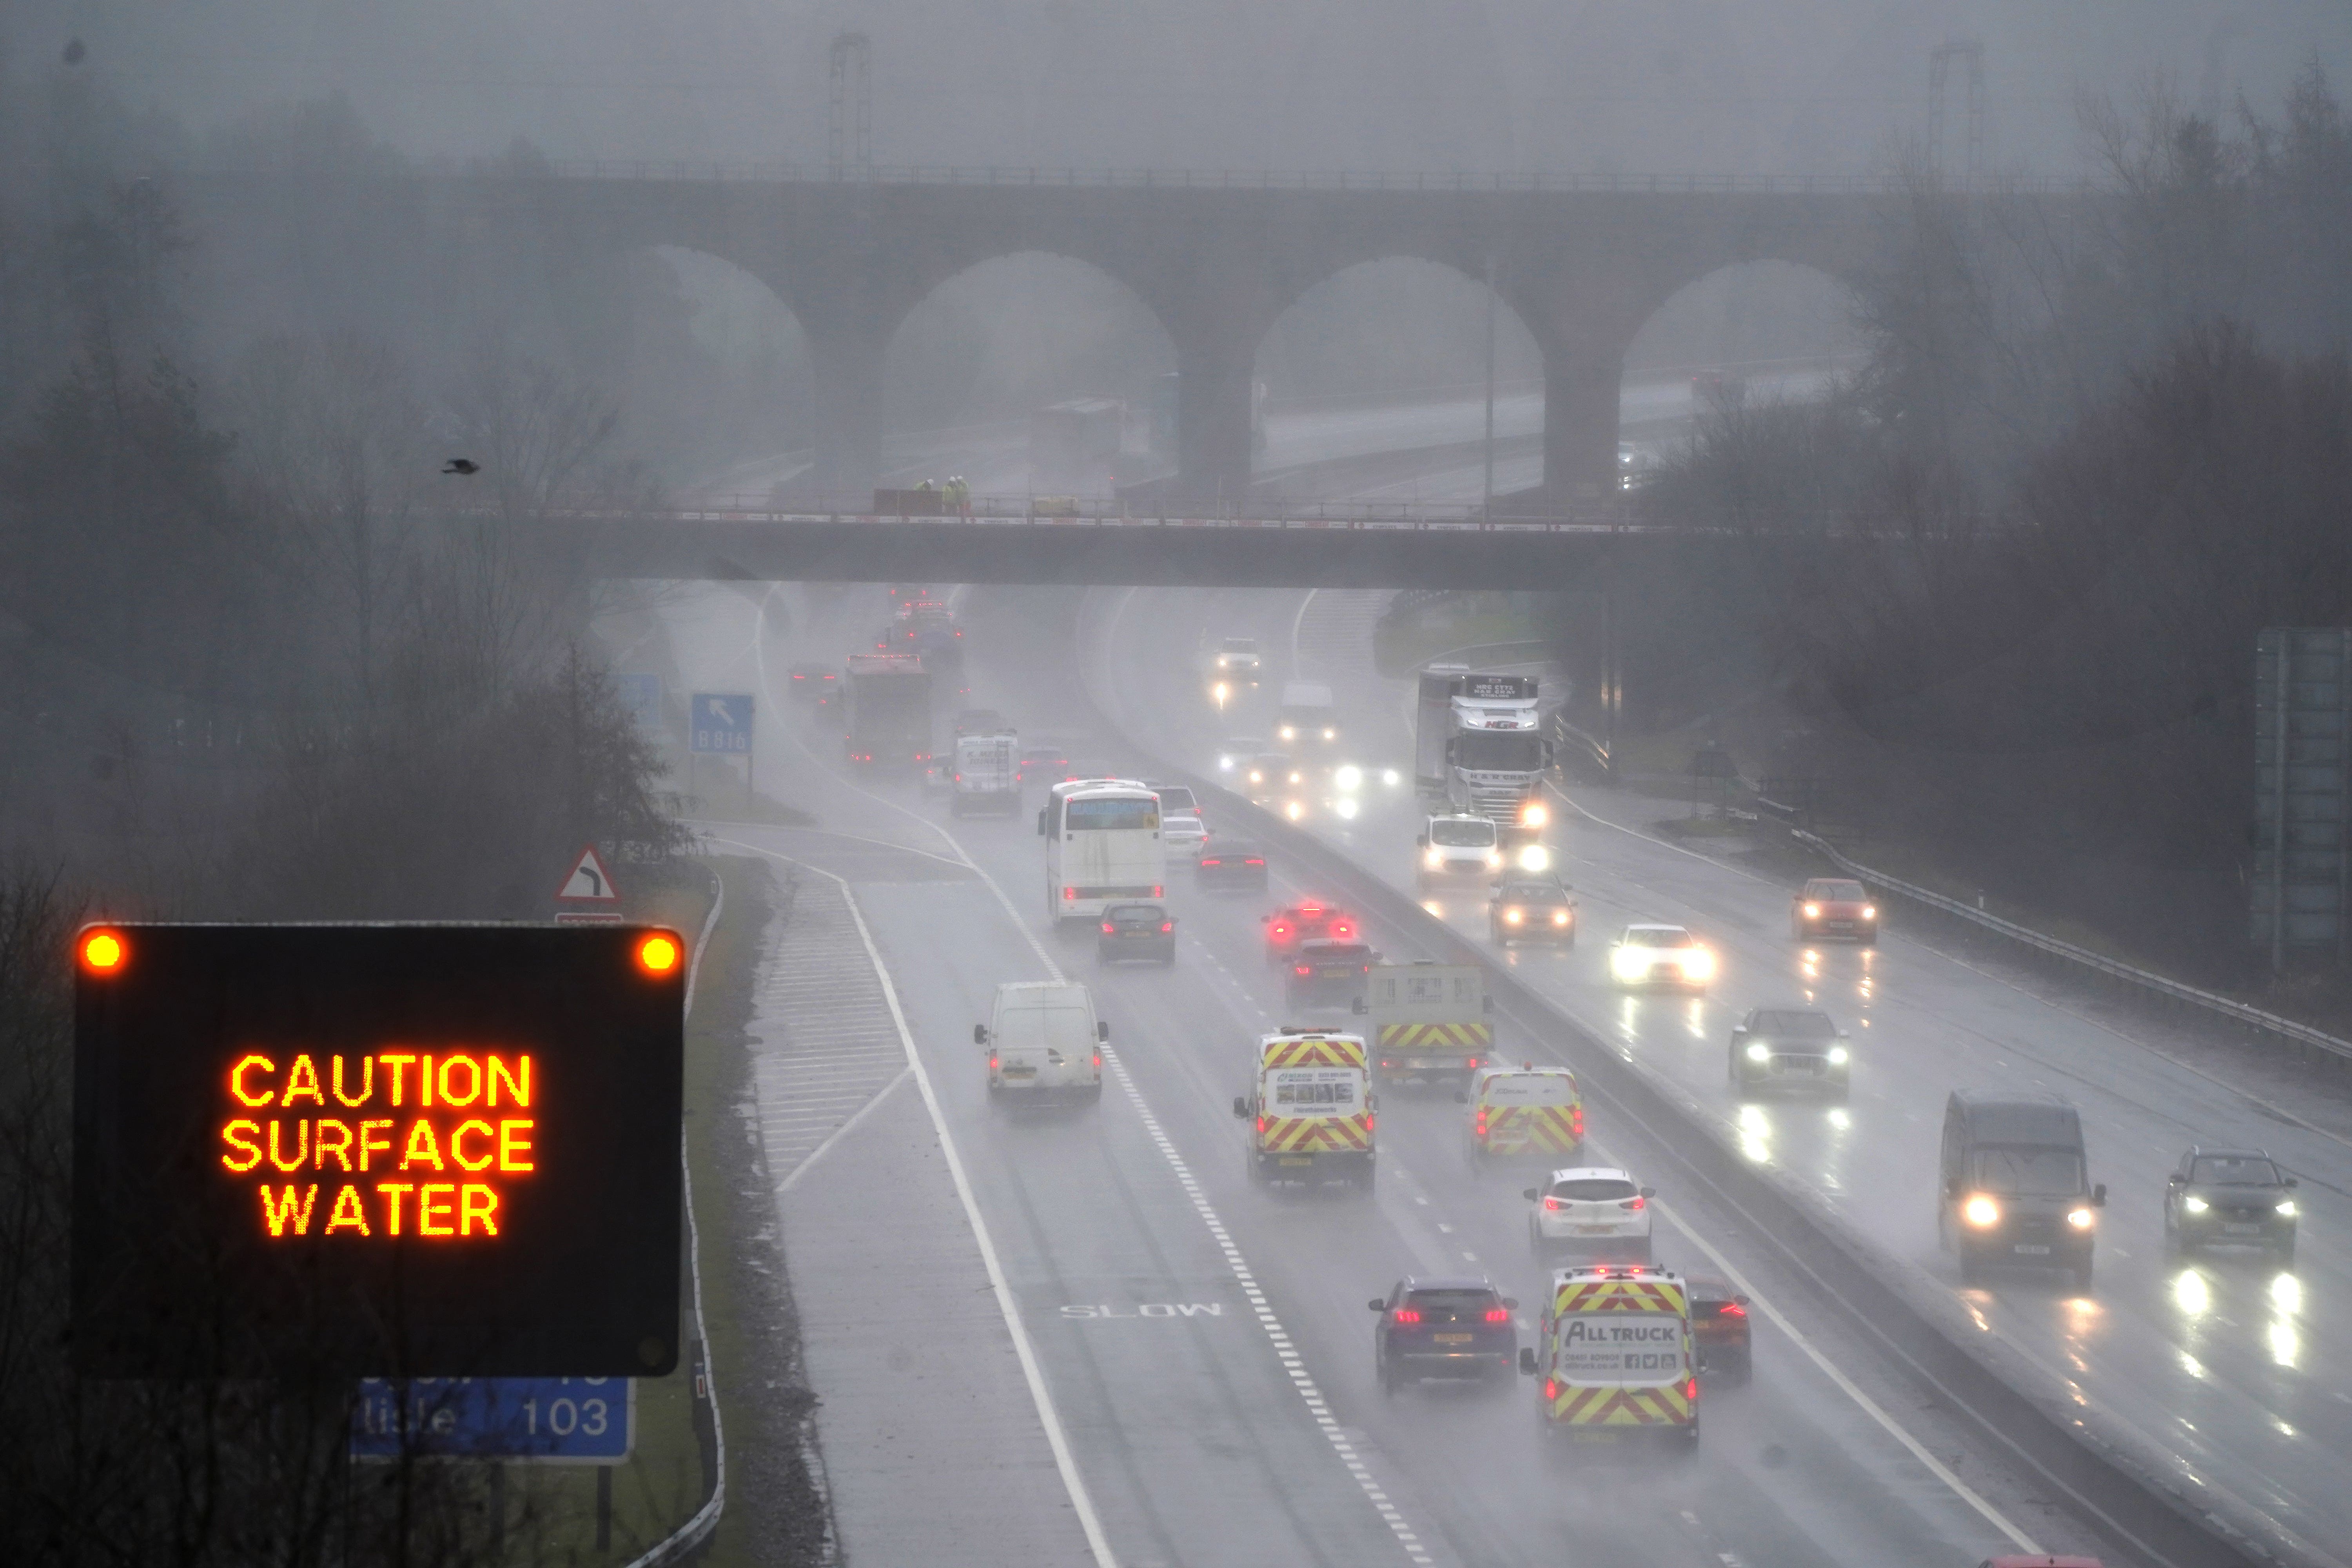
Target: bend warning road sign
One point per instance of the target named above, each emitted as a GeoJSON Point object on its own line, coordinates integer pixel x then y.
{"type": "Point", "coordinates": [721, 721]}
{"type": "Point", "coordinates": [589, 881]}
{"type": "Point", "coordinates": [377, 1149]}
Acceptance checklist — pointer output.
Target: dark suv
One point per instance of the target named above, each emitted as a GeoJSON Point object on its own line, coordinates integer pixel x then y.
{"type": "Point", "coordinates": [1791, 1046]}
{"type": "Point", "coordinates": [1458, 1326]}
{"type": "Point", "coordinates": [1523, 911]}
{"type": "Point", "coordinates": [1325, 972]}
{"type": "Point", "coordinates": [2231, 1197]}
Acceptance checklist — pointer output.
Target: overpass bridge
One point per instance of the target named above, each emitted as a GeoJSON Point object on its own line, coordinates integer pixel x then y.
{"type": "Point", "coordinates": [1328, 546]}
{"type": "Point", "coordinates": [1583, 262]}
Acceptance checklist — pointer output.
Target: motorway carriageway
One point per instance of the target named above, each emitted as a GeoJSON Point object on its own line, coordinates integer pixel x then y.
{"type": "Point", "coordinates": [2235, 1377]}
{"type": "Point", "coordinates": [1206, 1343]}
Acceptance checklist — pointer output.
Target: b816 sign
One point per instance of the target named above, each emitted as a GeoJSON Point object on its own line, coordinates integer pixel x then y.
{"type": "Point", "coordinates": [420, 1151]}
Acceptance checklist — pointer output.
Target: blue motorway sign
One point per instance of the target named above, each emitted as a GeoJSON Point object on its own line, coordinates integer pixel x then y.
{"type": "Point", "coordinates": [721, 721]}
{"type": "Point", "coordinates": [536, 1420]}
{"type": "Point", "coordinates": [642, 695]}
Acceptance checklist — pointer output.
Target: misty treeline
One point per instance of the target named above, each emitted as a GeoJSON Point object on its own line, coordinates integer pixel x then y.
{"type": "Point", "coordinates": [259, 657]}
{"type": "Point", "coordinates": [2111, 439]}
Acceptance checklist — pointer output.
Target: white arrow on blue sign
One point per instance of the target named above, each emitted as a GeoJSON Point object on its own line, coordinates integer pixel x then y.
{"type": "Point", "coordinates": [536, 1420]}
{"type": "Point", "coordinates": [722, 722]}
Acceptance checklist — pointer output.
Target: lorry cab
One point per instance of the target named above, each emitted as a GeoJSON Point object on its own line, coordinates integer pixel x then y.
{"type": "Point", "coordinates": [1044, 1042]}
{"type": "Point", "coordinates": [1616, 1356]}
{"type": "Point", "coordinates": [2015, 1185]}
{"type": "Point", "coordinates": [1308, 722]}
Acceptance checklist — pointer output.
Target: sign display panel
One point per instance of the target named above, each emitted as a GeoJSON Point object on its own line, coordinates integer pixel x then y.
{"type": "Point", "coordinates": [377, 1149]}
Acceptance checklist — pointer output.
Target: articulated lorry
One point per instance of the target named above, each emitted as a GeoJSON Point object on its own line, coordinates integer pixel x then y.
{"type": "Point", "coordinates": [1478, 745]}
{"type": "Point", "coordinates": [887, 709]}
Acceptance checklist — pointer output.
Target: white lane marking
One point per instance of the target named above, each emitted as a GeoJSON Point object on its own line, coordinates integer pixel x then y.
{"type": "Point", "coordinates": [838, 1134]}
{"type": "Point", "coordinates": [1081, 1500]}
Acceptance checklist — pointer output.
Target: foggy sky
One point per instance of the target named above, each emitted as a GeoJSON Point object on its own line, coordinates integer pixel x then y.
{"type": "Point", "coordinates": [1628, 86]}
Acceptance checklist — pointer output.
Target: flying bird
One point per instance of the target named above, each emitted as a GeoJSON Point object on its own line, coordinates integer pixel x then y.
{"type": "Point", "coordinates": [74, 51]}
{"type": "Point", "coordinates": [461, 466]}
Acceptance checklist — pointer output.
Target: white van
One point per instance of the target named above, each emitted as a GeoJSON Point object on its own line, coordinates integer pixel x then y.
{"type": "Point", "coordinates": [1043, 1041]}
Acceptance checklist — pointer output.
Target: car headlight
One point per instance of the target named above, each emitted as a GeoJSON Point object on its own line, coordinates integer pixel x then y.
{"type": "Point", "coordinates": [1535, 857]}
{"type": "Point", "coordinates": [1434, 858]}
{"type": "Point", "coordinates": [1559, 917]}
{"type": "Point", "coordinates": [1535, 814]}
{"type": "Point", "coordinates": [1513, 917]}
{"type": "Point", "coordinates": [1981, 1211]}
{"type": "Point", "coordinates": [1330, 735]}
{"type": "Point", "coordinates": [1297, 778]}
{"type": "Point", "coordinates": [1494, 860]}
{"type": "Point", "coordinates": [1697, 963]}
{"type": "Point", "coordinates": [1391, 777]}
{"type": "Point", "coordinates": [1224, 764]}
{"type": "Point", "coordinates": [1347, 808]}
{"type": "Point", "coordinates": [1838, 1055]}
{"type": "Point", "coordinates": [1812, 912]}
{"type": "Point", "coordinates": [1287, 733]}
{"type": "Point", "coordinates": [2079, 1218]}
{"type": "Point", "coordinates": [1629, 962]}
{"type": "Point", "coordinates": [2285, 1209]}
{"type": "Point", "coordinates": [1349, 777]}
{"type": "Point", "coordinates": [1294, 811]}
{"type": "Point", "coordinates": [1757, 1051]}
{"type": "Point", "coordinates": [2194, 1203]}
{"type": "Point", "coordinates": [1870, 911]}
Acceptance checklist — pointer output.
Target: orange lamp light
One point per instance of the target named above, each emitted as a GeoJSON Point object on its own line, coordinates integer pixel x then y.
{"type": "Point", "coordinates": [104, 951]}
{"type": "Point", "coordinates": [660, 954]}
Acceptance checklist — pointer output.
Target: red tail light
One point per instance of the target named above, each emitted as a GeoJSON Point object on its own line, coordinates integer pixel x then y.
{"type": "Point", "coordinates": [1472, 1062]}
{"type": "Point", "coordinates": [1553, 1206]}
{"type": "Point", "coordinates": [1690, 1389]}
{"type": "Point", "coordinates": [1576, 1121]}
{"type": "Point", "coordinates": [1369, 1121]}
{"type": "Point", "coordinates": [1498, 1314]}
{"type": "Point", "coordinates": [1167, 926]}
{"type": "Point", "coordinates": [1551, 1388]}
{"type": "Point", "coordinates": [1304, 969]}
{"type": "Point", "coordinates": [1110, 930]}
{"type": "Point", "coordinates": [991, 1061]}
{"type": "Point", "coordinates": [1254, 860]}
{"type": "Point", "coordinates": [1069, 894]}
{"type": "Point", "coordinates": [1731, 1310]}
{"type": "Point", "coordinates": [1635, 1203]}
{"type": "Point", "coordinates": [1408, 1315]}
{"type": "Point", "coordinates": [1157, 890]}
{"type": "Point", "coordinates": [1098, 1061]}
{"type": "Point", "coordinates": [1261, 1124]}
{"type": "Point", "coordinates": [1482, 1122]}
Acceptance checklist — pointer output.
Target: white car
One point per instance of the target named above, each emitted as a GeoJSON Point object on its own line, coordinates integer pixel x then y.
{"type": "Point", "coordinates": [1455, 847]}
{"type": "Point", "coordinates": [1593, 1212]}
{"type": "Point", "coordinates": [1182, 833]}
{"type": "Point", "coordinates": [1662, 955]}
{"type": "Point", "coordinates": [1233, 757]}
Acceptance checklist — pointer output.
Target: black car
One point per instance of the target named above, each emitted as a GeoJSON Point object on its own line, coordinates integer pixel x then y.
{"type": "Point", "coordinates": [1795, 1048]}
{"type": "Point", "coordinates": [1719, 1326]}
{"type": "Point", "coordinates": [813, 682]}
{"type": "Point", "coordinates": [1136, 931]}
{"type": "Point", "coordinates": [1531, 912]}
{"type": "Point", "coordinates": [1451, 1327]}
{"type": "Point", "coordinates": [2230, 1197]}
{"type": "Point", "coordinates": [1329, 972]}
{"type": "Point", "coordinates": [1230, 863]}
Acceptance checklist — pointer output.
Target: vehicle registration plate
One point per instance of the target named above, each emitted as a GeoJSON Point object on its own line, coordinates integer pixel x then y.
{"type": "Point", "coordinates": [1297, 1159]}
{"type": "Point", "coordinates": [2031, 1249]}
{"type": "Point", "coordinates": [1020, 1072]}
{"type": "Point", "coordinates": [1594, 1229]}
{"type": "Point", "coordinates": [1335, 974]}
{"type": "Point", "coordinates": [2245, 1227]}
{"type": "Point", "coordinates": [1453, 1339]}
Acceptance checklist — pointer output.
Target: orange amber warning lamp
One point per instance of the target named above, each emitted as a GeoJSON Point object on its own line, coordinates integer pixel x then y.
{"type": "Point", "coordinates": [424, 1151]}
